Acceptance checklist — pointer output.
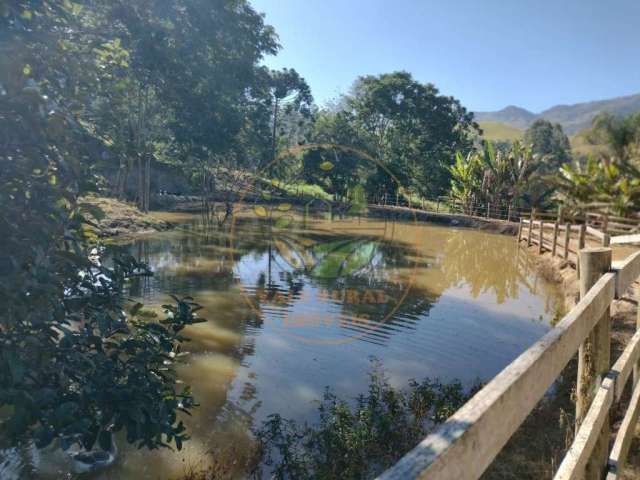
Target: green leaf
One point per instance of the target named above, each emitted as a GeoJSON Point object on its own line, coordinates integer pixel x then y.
{"type": "Point", "coordinates": [284, 207]}
{"type": "Point", "coordinates": [283, 222]}
{"type": "Point", "coordinates": [260, 211]}
{"type": "Point", "coordinates": [26, 70]}
{"type": "Point", "coordinates": [326, 166]}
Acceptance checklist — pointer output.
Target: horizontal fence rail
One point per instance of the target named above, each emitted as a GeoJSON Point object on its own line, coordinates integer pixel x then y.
{"type": "Point", "coordinates": [617, 230]}
{"type": "Point", "coordinates": [467, 443]}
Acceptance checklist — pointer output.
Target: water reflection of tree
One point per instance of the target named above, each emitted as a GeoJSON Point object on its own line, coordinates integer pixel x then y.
{"type": "Point", "coordinates": [351, 265]}
{"type": "Point", "coordinates": [482, 263]}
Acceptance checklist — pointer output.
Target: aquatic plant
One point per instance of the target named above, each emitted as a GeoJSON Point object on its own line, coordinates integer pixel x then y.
{"type": "Point", "coordinates": [356, 440]}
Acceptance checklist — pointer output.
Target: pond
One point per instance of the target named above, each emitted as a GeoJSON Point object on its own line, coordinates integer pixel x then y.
{"type": "Point", "coordinates": [295, 304]}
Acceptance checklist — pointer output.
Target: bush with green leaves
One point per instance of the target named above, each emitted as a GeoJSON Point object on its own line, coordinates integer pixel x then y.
{"type": "Point", "coordinates": [610, 180]}
{"type": "Point", "coordinates": [358, 440]}
{"type": "Point", "coordinates": [75, 365]}
{"type": "Point", "coordinates": [603, 184]}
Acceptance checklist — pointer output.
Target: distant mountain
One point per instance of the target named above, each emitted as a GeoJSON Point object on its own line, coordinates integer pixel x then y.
{"type": "Point", "coordinates": [573, 118]}
{"type": "Point", "coordinates": [513, 116]}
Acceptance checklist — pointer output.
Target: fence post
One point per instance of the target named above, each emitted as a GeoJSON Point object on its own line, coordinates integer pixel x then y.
{"type": "Point", "coordinates": [554, 245]}
{"type": "Point", "coordinates": [560, 214]}
{"type": "Point", "coordinates": [541, 236]}
{"type": "Point", "coordinates": [581, 239]}
{"type": "Point", "coordinates": [509, 213]}
{"type": "Point", "coordinates": [488, 209]}
{"type": "Point", "coordinates": [567, 236]}
{"type": "Point", "coordinates": [533, 215]}
{"type": "Point", "coordinates": [636, 369]}
{"type": "Point", "coordinates": [520, 231]}
{"type": "Point", "coordinates": [438, 204]}
{"type": "Point", "coordinates": [606, 240]}
{"type": "Point", "coordinates": [594, 357]}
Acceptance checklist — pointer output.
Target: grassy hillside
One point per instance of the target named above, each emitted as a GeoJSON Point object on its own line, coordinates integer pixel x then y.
{"type": "Point", "coordinates": [496, 131]}
{"type": "Point", "coordinates": [580, 146]}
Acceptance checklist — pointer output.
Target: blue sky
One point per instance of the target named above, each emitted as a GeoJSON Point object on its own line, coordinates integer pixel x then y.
{"type": "Point", "coordinates": [487, 53]}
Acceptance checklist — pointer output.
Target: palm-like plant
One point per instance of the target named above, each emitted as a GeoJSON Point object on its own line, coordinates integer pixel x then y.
{"type": "Point", "coordinates": [465, 179]}
{"type": "Point", "coordinates": [496, 177]}
{"type": "Point", "coordinates": [612, 185]}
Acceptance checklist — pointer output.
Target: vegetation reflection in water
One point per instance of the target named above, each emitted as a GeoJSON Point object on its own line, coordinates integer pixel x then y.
{"type": "Point", "coordinates": [294, 311]}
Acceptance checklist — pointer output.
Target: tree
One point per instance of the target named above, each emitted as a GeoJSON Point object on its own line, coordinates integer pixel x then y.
{"type": "Point", "coordinates": [289, 92]}
{"type": "Point", "coordinates": [77, 364]}
{"type": "Point", "coordinates": [549, 142]}
{"type": "Point", "coordinates": [348, 167]}
{"type": "Point", "coordinates": [411, 128]}
{"type": "Point", "coordinates": [620, 134]}
{"type": "Point", "coordinates": [610, 180]}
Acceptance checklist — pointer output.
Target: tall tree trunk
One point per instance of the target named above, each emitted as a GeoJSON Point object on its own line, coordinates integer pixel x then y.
{"type": "Point", "coordinates": [275, 126]}
{"type": "Point", "coordinates": [140, 195]}
{"type": "Point", "coordinates": [147, 183]}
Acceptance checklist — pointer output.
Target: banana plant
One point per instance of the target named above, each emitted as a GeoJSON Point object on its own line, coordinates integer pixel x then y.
{"type": "Point", "coordinates": [493, 176]}
{"type": "Point", "coordinates": [607, 183]}
{"type": "Point", "coordinates": [465, 179]}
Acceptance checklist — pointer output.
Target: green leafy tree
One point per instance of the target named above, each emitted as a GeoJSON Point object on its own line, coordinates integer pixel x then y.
{"type": "Point", "coordinates": [289, 94]}
{"type": "Point", "coordinates": [610, 180]}
{"type": "Point", "coordinates": [336, 169]}
{"type": "Point", "coordinates": [621, 135]}
{"type": "Point", "coordinates": [77, 364]}
{"type": "Point", "coordinates": [412, 128]}
{"type": "Point", "coordinates": [548, 141]}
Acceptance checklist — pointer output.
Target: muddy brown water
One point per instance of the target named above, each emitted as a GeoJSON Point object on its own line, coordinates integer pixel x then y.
{"type": "Point", "coordinates": [295, 305]}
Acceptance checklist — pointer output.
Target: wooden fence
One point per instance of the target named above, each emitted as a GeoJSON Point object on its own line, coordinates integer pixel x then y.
{"type": "Point", "coordinates": [466, 444]}
{"type": "Point", "coordinates": [604, 227]}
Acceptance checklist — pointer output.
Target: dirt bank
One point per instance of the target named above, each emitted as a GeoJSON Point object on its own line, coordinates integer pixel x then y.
{"type": "Point", "coordinates": [539, 445]}
{"type": "Point", "coordinates": [112, 218]}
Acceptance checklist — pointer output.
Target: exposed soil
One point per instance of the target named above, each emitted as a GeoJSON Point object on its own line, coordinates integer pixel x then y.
{"type": "Point", "coordinates": [114, 218]}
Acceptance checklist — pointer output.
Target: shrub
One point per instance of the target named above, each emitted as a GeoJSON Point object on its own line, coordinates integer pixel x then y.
{"type": "Point", "coordinates": [360, 440]}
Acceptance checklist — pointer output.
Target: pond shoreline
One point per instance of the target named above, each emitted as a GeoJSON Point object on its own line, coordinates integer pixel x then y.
{"type": "Point", "coordinates": [124, 221]}
{"type": "Point", "coordinates": [115, 219]}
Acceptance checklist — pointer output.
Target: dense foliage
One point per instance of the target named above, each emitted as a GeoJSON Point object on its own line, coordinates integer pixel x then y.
{"type": "Point", "coordinates": [609, 180]}
{"type": "Point", "coordinates": [76, 363]}
{"type": "Point", "coordinates": [498, 177]}
{"type": "Point", "coordinates": [549, 141]}
{"type": "Point", "coordinates": [356, 440]}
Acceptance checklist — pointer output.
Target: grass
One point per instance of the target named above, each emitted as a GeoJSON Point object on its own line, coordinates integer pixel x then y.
{"type": "Point", "coordinates": [496, 131]}
{"type": "Point", "coordinates": [297, 189]}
